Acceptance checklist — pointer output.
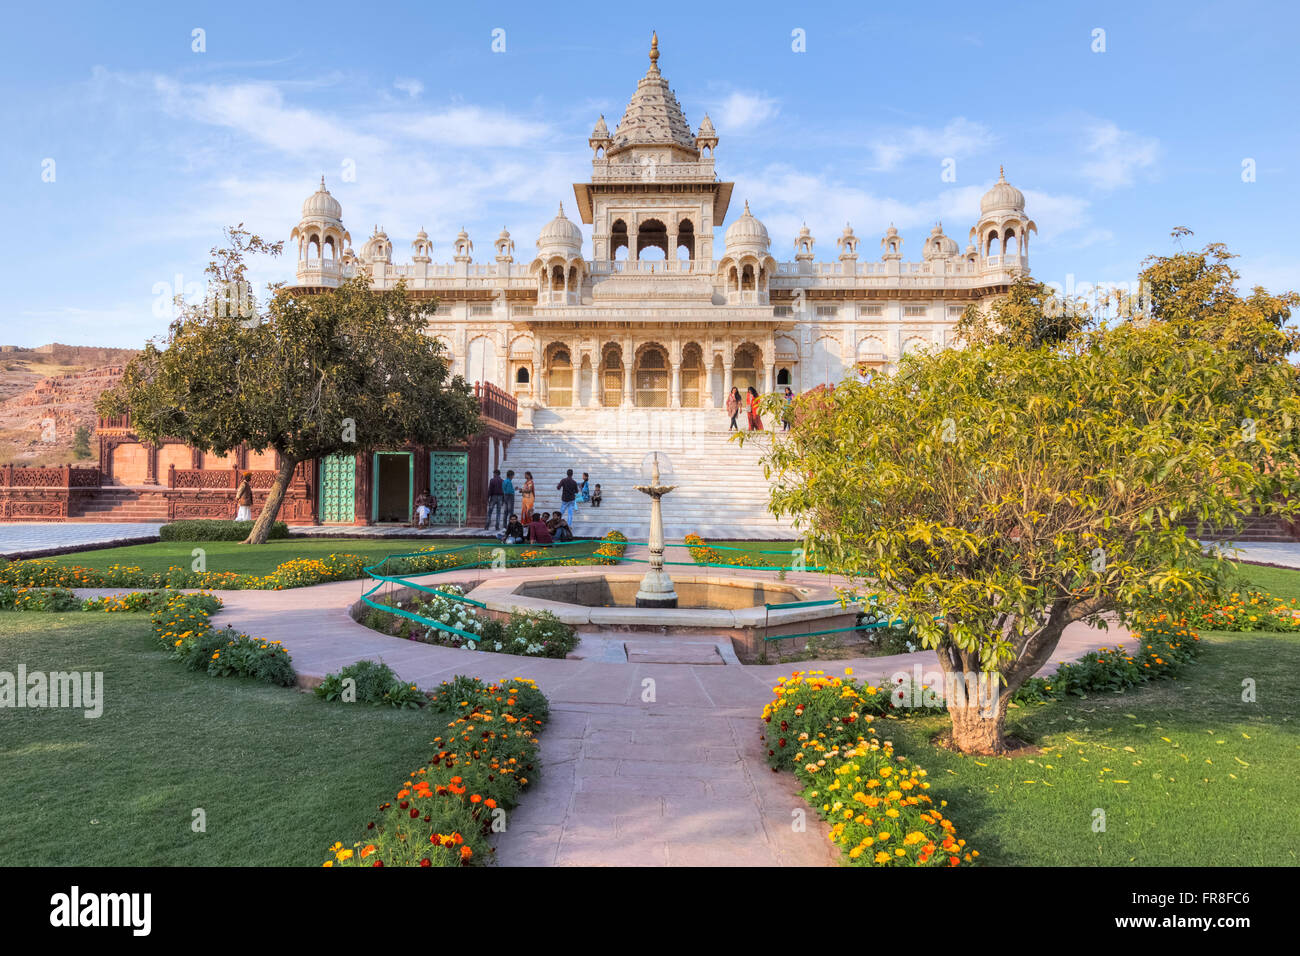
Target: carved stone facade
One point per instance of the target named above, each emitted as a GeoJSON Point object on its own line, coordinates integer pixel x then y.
{"type": "Point", "coordinates": [655, 316]}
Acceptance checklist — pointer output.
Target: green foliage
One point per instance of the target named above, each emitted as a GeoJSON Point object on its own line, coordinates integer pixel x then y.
{"type": "Point", "coordinates": [374, 683]}
{"type": "Point", "coordinates": [204, 529]}
{"type": "Point", "coordinates": [81, 443]}
{"type": "Point", "coordinates": [312, 374]}
{"type": "Point", "coordinates": [1030, 316]}
{"type": "Point", "coordinates": [996, 494]}
{"type": "Point", "coordinates": [37, 599]}
{"type": "Point", "coordinates": [182, 626]}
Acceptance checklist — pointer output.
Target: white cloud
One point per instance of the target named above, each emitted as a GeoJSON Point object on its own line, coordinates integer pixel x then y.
{"type": "Point", "coordinates": [1116, 155]}
{"type": "Point", "coordinates": [957, 138]}
{"type": "Point", "coordinates": [411, 87]}
{"type": "Point", "coordinates": [742, 111]}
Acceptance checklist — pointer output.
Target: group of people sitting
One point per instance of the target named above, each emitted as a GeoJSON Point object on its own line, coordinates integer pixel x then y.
{"type": "Point", "coordinates": [501, 499]}
{"type": "Point", "coordinates": [542, 528]}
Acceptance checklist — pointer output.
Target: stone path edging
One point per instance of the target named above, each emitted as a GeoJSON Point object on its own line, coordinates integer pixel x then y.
{"type": "Point", "coordinates": [645, 764]}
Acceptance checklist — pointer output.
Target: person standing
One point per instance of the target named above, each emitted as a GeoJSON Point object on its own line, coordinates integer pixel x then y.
{"type": "Point", "coordinates": [755, 421]}
{"type": "Point", "coordinates": [529, 496]}
{"type": "Point", "coordinates": [508, 489]}
{"type": "Point", "coordinates": [496, 501]}
{"type": "Point", "coordinates": [733, 407]}
{"type": "Point", "coordinates": [788, 410]}
{"type": "Point", "coordinates": [244, 498]}
{"type": "Point", "coordinates": [568, 495]}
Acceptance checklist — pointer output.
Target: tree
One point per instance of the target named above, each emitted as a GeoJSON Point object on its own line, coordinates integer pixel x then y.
{"type": "Point", "coordinates": [1030, 315]}
{"type": "Point", "coordinates": [1197, 291]}
{"type": "Point", "coordinates": [344, 370]}
{"type": "Point", "coordinates": [81, 443]}
{"type": "Point", "coordinates": [996, 494]}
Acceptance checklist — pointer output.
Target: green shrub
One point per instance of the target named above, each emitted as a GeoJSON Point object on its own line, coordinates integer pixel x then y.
{"type": "Point", "coordinates": [373, 682]}
{"type": "Point", "coordinates": [38, 599]}
{"type": "Point", "coordinates": [182, 626]}
{"type": "Point", "coordinates": [205, 529]}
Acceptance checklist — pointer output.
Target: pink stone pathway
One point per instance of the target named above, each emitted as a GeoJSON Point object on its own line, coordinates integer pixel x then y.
{"type": "Point", "coordinates": [643, 764]}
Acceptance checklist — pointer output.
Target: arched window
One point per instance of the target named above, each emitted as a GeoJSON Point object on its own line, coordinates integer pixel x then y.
{"type": "Point", "coordinates": [560, 384]}
{"type": "Point", "coordinates": [618, 240]}
{"type": "Point", "coordinates": [652, 234]}
{"type": "Point", "coordinates": [685, 240]}
{"type": "Point", "coordinates": [611, 376]}
{"type": "Point", "coordinates": [521, 375]}
{"type": "Point", "coordinates": [692, 375]}
{"type": "Point", "coordinates": [651, 378]}
{"type": "Point", "coordinates": [783, 376]}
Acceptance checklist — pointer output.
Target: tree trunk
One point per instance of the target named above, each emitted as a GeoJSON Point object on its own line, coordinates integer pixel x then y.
{"type": "Point", "coordinates": [262, 526]}
{"type": "Point", "coordinates": [976, 729]}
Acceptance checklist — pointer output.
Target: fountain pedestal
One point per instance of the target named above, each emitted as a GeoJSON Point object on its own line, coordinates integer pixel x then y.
{"type": "Point", "coordinates": [656, 587]}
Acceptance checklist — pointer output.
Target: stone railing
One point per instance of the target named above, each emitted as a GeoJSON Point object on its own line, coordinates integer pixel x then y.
{"type": "Point", "coordinates": [496, 404]}
{"type": "Point", "coordinates": [215, 478]}
{"type": "Point", "coordinates": [56, 476]}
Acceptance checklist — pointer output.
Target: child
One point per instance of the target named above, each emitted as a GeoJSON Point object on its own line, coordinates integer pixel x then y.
{"type": "Point", "coordinates": [595, 497]}
{"type": "Point", "coordinates": [422, 510]}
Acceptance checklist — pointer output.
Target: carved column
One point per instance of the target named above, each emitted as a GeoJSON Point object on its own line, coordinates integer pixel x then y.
{"type": "Point", "coordinates": [627, 373]}
{"type": "Point", "coordinates": [675, 396]}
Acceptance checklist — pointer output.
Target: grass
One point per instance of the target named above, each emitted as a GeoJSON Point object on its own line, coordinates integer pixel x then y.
{"type": "Point", "coordinates": [783, 557]}
{"type": "Point", "coordinates": [1185, 772]}
{"type": "Point", "coordinates": [262, 559]}
{"type": "Point", "coordinates": [121, 789]}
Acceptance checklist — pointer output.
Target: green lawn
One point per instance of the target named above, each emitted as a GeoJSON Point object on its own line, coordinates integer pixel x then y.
{"type": "Point", "coordinates": [262, 559]}
{"type": "Point", "coordinates": [783, 557]}
{"type": "Point", "coordinates": [279, 774]}
{"type": "Point", "coordinates": [1186, 773]}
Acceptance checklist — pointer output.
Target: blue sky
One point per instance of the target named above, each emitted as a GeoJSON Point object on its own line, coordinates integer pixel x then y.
{"type": "Point", "coordinates": [156, 147]}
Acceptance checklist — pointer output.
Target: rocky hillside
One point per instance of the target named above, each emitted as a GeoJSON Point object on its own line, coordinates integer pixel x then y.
{"type": "Point", "coordinates": [46, 393]}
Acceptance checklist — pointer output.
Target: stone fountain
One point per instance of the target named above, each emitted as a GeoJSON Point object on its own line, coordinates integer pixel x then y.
{"type": "Point", "coordinates": [656, 587]}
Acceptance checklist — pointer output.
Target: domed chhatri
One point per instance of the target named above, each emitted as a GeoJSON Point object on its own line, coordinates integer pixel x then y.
{"type": "Point", "coordinates": [322, 205]}
{"type": "Point", "coordinates": [560, 235]}
{"type": "Point", "coordinates": [747, 234]}
{"type": "Point", "coordinates": [1003, 195]}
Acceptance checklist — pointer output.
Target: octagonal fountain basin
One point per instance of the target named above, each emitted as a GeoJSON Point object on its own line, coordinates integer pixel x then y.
{"type": "Point", "coordinates": [710, 604]}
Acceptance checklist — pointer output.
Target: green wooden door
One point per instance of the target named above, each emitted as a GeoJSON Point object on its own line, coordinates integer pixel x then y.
{"type": "Point", "coordinates": [338, 485]}
{"type": "Point", "coordinates": [449, 482]}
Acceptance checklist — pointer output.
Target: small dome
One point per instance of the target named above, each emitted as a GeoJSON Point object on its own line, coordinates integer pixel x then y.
{"type": "Point", "coordinates": [322, 205]}
{"type": "Point", "coordinates": [706, 127]}
{"type": "Point", "coordinates": [601, 131]}
{"type": "Point", "coordinates": [747, 234]}
{"type": "Point", "coordinates": [1003, 196]}
{"type": "Point", "coordinates": [561, 234]}
{"type": "Point", "coordinates": [939, 246]}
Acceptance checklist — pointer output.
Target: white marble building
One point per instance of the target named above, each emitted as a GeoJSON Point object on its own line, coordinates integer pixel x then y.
{"type": "Point", "coordinates": [653, 315]}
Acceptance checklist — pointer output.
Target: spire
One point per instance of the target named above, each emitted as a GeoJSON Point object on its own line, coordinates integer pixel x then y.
{"type": "Point", "coordinates": [1002, 176]}
{"type": "Point", "coordinates": [653, 116]}
{"type": "Point", "coordinates": [654, 52]}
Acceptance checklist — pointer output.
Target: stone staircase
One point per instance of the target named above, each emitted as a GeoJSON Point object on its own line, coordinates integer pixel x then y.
{"type": "Point", "coordinates": [122, 504]}
{"type": "Point", "coordinates": [721, 492]}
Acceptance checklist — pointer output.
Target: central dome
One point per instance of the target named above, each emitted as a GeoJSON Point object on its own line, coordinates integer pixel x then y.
{"type": "Point", "coordinates": [653, 116]}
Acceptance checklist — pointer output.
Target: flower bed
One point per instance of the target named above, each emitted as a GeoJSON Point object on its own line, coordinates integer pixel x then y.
{"type": "Point", "coordinates": [875, 800]}
{"type": "Point", "coordinates": [61, 599]}
{"type": "Point", "coordinates": [183, 627]}
{"type": "Point", "coordinates": [1250, 610]}
{"type": "Point", "coordinates": [701, 553]}
{"type": "Point", "coordinates": [531, 634]}
{"type": "Point", "coordinates": [443, 812]}
{"type": "Point", "coordinates": [299, 572]}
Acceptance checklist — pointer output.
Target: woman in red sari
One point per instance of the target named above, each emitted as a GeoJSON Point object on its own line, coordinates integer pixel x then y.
{"type": "Point", "coordinates": [755, 422]}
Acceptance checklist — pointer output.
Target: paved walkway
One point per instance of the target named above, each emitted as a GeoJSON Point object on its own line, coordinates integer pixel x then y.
{"type": "Point", "coordinates": [1285, 553]}
{"type": "Point", "coordinates": [645, 764]}
{"type": "Point", "coordinates": [20, 537]}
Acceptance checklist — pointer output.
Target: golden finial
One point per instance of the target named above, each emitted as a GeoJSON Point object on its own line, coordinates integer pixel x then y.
{"type": "Point", "coordinates": [1002, 176]}
{"type": "Point", "coordinates": [654, 50]}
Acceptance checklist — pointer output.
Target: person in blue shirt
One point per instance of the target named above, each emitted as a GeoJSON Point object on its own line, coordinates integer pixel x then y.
{"type": "Point", "coordinates": [508, 489]}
